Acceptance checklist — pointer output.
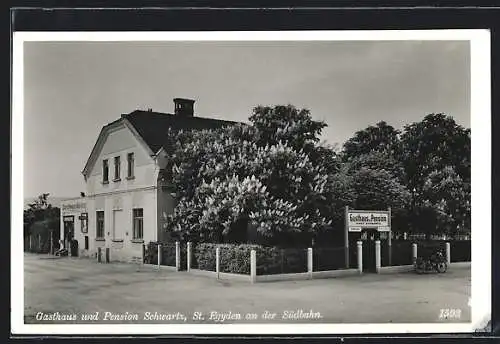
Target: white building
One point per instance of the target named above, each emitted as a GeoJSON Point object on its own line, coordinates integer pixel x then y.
{"type": "Point", "coordinates": [126, 194]}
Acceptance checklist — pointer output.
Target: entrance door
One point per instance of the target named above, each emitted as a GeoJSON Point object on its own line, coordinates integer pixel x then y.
{"type": "Point", "coordinates": [69, 229]}
{"type": "Point", "coordinates": [369, 237]}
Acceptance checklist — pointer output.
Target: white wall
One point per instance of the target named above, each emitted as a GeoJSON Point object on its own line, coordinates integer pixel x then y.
{"type": "Point", "coordinates": [124, 202]}
{"type": "Point", "coordinates": [123, 195]}
{"type": "Point", "coordinates": [120, 142]}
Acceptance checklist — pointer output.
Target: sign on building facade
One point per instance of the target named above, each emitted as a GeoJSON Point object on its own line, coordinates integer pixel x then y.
{"type": "Point", "coordinates": [73, 207]}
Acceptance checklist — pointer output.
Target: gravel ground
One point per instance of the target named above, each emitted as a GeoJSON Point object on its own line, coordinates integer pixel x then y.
{"type": "Point", "coordinates": [73, 288]}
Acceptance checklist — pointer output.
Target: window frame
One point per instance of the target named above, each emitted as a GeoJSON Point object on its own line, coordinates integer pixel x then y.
{"type": "Point", "coordinates": [105, 171]}
{"type": "Point", "coordinates": [99, 228]}
{"type": "Point", "coordinates": [136, 219]}
{"type": "Point", "coordinates": [117, 161]}
{"type": "Point", "coordinates": [130, 165]}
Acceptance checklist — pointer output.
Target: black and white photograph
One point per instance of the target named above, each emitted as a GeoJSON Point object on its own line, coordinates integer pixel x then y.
{"type": "Point", "coordinates": [318, 182]}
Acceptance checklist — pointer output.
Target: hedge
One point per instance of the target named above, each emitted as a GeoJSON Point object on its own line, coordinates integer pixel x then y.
{"type": "Point", "coordinates": [235, 258]}
{"type": "Point", "coordinates": [167, 254]}
{"type": "Point", "coordinates": [272, 260]}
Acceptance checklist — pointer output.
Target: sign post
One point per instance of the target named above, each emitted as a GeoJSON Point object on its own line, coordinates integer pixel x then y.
{"type": "Point", "coordinates": [389, 239]}
{"type": "Point", "coordinates": [357, 220]}
{"type": "Point", "coordinates": [346, 237]}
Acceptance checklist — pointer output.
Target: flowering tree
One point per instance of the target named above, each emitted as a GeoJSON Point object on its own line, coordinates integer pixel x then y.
{"type": "Point", "coordinates": [277, 182]}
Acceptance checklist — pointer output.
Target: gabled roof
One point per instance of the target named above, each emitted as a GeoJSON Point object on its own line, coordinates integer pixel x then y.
{"type": "Point", "coordinates": [153, 126]}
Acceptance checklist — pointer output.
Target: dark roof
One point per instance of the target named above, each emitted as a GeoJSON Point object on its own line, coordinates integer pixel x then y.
{"type": "Point", "coordinates": [153, 126]}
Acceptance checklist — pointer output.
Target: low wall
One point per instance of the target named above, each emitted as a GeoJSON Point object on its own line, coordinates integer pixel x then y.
{"type": "Point", "coordinates": [396, 269]}
{"type": "Point", "coordinates": [335, 273]}
{"type": "Point", "coordinates": [410, 268]}
{"type": "Point", "coordinates": [162, 267]}
{"type": "Point", "coordinates": [283, 277]}
{"type": "Point", "coordinates": [306, 275]}
{"type": "Point", "coordinates": [222, 275]}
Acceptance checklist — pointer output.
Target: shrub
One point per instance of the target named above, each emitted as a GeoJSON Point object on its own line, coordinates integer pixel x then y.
{"type": "Point", "coordinates": [273, 260]}
{"type": "Point", "coordinates": [236, 258]}
{"type": "Point", "coordinates": [204, 256]}
{"type": "Point", "coordinates": [167, 254]}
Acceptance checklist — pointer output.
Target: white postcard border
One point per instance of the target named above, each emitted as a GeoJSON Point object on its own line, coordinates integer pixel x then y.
{"type": "Point", "coordinates": [480, 174]}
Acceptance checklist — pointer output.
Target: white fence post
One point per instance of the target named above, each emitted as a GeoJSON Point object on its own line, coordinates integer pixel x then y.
{"type": "Point", "coordinates": [377, 255]}
{"type": "Point", "coordinates": [159, 255]}
{"type": "Point", "coordinates": [414, 252]}
{"type": "Point", "coordinates": [177, 256]}
{"type": "Point", "coordinates": [217, 261]}
{"type": "Point", "coordinates": [188, 256]}
{"type": "Point", "coordinates": [448, 253]}
{"type": "Point", "coordinates": [360, 256]}
{"type": "Point", "coordinates": [310, 262]}
{"type": "Point", "coordinates": [253, 266]}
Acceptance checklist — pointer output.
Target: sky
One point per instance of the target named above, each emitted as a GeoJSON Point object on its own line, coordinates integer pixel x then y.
{"type": "Point", "coordinates": [73, 89]}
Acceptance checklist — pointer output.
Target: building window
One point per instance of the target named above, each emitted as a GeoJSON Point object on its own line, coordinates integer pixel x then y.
{"type": "Point", "coordinates": [84, 222]}
{"type": "Point", "coordinates": [105, 171]}
{"type": "Point", "coordinates": [130, 163]}
{"type": "Point", "coordinates": [117, 168]}
{"type": "Point", "coordinates": [138, 224]}
{"type": "Point", "coordinates": [99, 224]}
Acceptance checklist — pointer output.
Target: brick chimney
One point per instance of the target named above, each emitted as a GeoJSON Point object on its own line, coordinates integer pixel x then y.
{"type": "Point", "coordinates": [184, 107]}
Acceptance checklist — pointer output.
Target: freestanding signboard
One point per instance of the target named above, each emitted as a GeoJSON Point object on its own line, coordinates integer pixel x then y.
{"type": "Point", "coordinates": [357, 220]}
{"type": "Point", "coordinates": [367, 219]}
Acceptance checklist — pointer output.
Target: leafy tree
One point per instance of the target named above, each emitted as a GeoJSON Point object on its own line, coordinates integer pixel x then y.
{"type": "Point", "coordinates": [376, 174]}
{"type": "Point", "coordinates": [40, 218]}
{"type": "Point", "coordinates": [381, 137]}
{"type": "Point", "coordinates": [375, 182]}
{"type": "Point", "coordinates": [38, 210]}
{"type": "Point", "coordinates": [449, 196]}
{"type": "Point", "coordinates": [433, 144]}
{"type": "Point", "coordinates": [435, 155]}
{"type": "Point", "coordinates": [377, 189]}
{"type": "Point", "coordinates": [377, 160]}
